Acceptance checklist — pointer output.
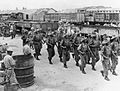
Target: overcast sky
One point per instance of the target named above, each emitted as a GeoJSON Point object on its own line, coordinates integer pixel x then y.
{"type": "Point", "coordinates": [56, 4]}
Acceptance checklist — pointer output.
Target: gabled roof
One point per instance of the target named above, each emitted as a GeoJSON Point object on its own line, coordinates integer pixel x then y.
{"type": "Point", "coordinates": [44, 10]}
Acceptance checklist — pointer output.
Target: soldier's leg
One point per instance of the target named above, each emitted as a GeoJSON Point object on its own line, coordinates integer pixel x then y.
{"type": "Point", "coordinates": [50, 58]}
{"type": "Point", "coordinates": [73, 54]}
{"type": "Point", "coordinates": [106, 73]}
{"type": "Point", "coordinates": [114, 64]}
{"type": "Point", "coordinates": [60, 53]}
{"type": "Point", "coordinates": [64, 60]}
{"type": "Point", "coordinates": [40, 48]}
{"type": "Point", "coordinates": [50, 55]}
{"type": "Point", "coordinates": [94, 61]}
{"type": "Point", "coordinates": [88, 58]}
{"type": "Point", "coordinates": [77, 58]}
{"type": "Point", "coordinates": [37, 51]}
{"type": "Point", "coordinates": [105, 69]}
{"type": "Point", "coordinates": [83, 64]}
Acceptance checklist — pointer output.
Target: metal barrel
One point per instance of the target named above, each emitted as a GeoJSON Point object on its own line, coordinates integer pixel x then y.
{"type": "Point", "coordinates": [24, 70]}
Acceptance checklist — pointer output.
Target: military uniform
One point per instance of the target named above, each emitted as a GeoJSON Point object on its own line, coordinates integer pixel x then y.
{"type": "Point", "coordinates": [37, 41]}
{"type": "Point", "coordinates": [83, 48]}
{"type": "Point", "coordinates": [106, 53]}
{"type": "Point", "coordinates": [94, 48]}
{"type": "Point", "coordinates": [76, 42]}
{"type": "Point", "coordinates": [65, 44]}
{"type": "Point", "coordinates": [50, 47]}
{"type": "Point", "coordinates": [24, 37]}
{"type": "Point", "coordinates": [114, 55]}
{"type": "Point", "coordinates": [59, 48]}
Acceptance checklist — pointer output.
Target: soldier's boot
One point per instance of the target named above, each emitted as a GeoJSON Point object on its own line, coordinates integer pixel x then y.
{"type": "Point", "coordinates": [93, 68]}
{"type": "Point", "coordinates": [106, 78]}
{"type": "Point", "coordinates": [80, 68]}
{"type": "Point", "coordinates": [77, 63]}
{"type": "Point", "coordinates": [111, 70]}
{"type": "Point", "coordinates": [83, 71]}
{"type": "Point", "coordinates": [50, 62]}
{"type": "Point", "coordinates": [34, 55]}
{"type": "Point", "coordinates": [73, 55]}
{"type": "Point", "coordinates": [102, 73]}
{"type": "Point", "coordinates": [40, 54]}
{"type": "Point", "coordinates": [61, 59]}
{"type": "Point", "coordinates": [37, 58]}
{"type": "Point", "coordinates": [114, 73]}
{"type": "Point", "coordinates": [65, 65]}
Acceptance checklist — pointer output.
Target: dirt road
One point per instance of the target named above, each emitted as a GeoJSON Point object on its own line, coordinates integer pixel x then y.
{"type": "Point", "coordinates": [56, 78]}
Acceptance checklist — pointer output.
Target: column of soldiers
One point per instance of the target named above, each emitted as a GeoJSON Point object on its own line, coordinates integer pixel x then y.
{"type": "Point", "coordinates": [85, 48]}
{"type": "Point", "coordinates": [35, 39]}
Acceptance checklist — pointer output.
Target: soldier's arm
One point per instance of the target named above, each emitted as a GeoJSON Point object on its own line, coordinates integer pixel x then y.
{"type": "Point", "coordinates": [102, 53]}
{"type": "Point", "coordinates": [79, 49]}
{"type": "Point", "coordinates": [62, 44]}
{"type": "Point", "coordinates": [48, 42]}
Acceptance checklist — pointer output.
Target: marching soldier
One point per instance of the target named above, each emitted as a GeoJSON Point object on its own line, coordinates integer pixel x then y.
{"type": "Point", "coordinates": [76, 43]}
{"type": "Point", "coordinates": [24, 37]}
{"type": "Point", "coordinates": [50, 47]}
{"type": "Point", "coordinates": [83, 48]}
{"type": "Point", "coordinates": [65, 44]}
{"type": "Point", "coordinates": [114, 56]}
{"type": "Point", "coordinates": [94, 46]}
{"type": "Point", "coordinates": [59, 48]}
{"type": "Point", "coordinates": [105, 53]}
{"type": "Point", "coordinates": [37, 44]}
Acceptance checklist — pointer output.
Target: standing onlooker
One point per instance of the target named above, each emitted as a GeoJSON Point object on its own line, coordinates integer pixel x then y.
{"type": "Point", "coordinates": [10, 77]}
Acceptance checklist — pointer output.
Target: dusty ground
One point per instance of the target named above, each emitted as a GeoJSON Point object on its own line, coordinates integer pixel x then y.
{"type": "Point", "coordinates": [56, 78]}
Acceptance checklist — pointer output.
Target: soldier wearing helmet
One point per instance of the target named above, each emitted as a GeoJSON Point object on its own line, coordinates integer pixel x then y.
{"type": "Point", "coordinates": [94, 46]}
{"type": "Point", "coordinates": [76, 41]}
{"type": "Point", "coordinates": [37, 42]}
{"type": "Point", "coordinates": [24, 37]}
{"type": "Point", "coordinates": [50, 47]}
{"type": "Point", "coordinates": [105, 53]}
{"type": "Point", "coordinates": [66, 46]}
{"type": "Point", "coordinates": [83, 48]}
{"type": "Point", "coordinates": [114, 54]}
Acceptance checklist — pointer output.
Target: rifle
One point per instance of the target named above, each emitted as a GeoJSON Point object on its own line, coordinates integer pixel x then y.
{"type": "Point", "coordinates": [91, 52]}
{"type": "Point", "coordinates": [105, 56]}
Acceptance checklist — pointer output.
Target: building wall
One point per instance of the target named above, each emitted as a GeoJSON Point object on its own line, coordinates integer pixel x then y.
{"type": "Point", "coordinates": [40, 15]}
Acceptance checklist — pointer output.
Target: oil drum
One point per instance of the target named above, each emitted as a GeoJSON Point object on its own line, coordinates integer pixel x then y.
{"type": "Point", "coordinates": [24, 70]}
